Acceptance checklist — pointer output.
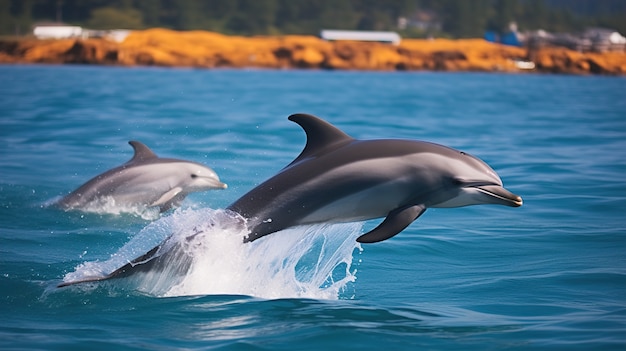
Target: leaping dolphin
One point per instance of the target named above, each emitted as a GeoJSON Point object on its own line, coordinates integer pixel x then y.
{"type": "Point", "coordinates": [337, 178]}
{"type": "Point", "coordinates": [146, 180]}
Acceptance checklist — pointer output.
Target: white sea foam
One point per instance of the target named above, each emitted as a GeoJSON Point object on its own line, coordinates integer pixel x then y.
{"type": "Point", "coordinates": [108, 205]}
{"type": "Point", "coordinates": [203, 253]}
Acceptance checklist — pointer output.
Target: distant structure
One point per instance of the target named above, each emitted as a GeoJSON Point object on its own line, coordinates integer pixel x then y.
{"type": "Point", "coordinates": [65, 31]}
{"type": "Point", "coordinates": [361, 35]}
{"type": "Point", "coordinates": [57, 31]}
{"type": "Point", "coordinates": [511, 37]}
{"type": "Point", "coordinates": [603, 39]}
{"type": "Point", "coordinates": [424, 21]}
{"type": "Point", "coordinates": [593, 39]}
{"type": "Point", "coordinates": [117, 35]}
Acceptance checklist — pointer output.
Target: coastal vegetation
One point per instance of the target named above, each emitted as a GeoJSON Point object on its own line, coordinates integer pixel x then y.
{"type": "Point", "coordinates": [422, 18]}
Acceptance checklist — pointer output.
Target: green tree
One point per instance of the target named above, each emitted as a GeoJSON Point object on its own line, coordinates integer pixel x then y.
{"type": "Point", "coordinates": [6, 20]}
{"type": "Point", "coordinates": [460, 18]}
{"type": "Point", "coordinates": [337, 14]}
{"type": "Point", "coordinates": [112, 18]}
{"type": "Point", "coordinates": [24, 20]}
{"type": "Point", "coordinates": [253, 17]}
{"type": "Point", "coordinates": [463, 18]}
{"type": "Point", "coordinates": [151, 12]}
{"type": "Point", "coordinates": [189, 15]}
{"type": "Point", "coordinates": [505, 12]}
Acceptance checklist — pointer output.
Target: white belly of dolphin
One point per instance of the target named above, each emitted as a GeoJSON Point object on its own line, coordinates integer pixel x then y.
{"type": "Point", "coordinates": [374, 202]}
{"type": "Point", "coordinates": [146, 183]}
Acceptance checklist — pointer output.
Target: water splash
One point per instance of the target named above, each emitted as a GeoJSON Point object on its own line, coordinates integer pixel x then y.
{"type": "Point", "coordinates": [108, 205]}
{"type": "Point", "coordinates": [202, 253]}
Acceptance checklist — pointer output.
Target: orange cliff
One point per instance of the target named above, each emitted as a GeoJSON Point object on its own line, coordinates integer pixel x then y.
{"type": "Point", "coordinates": [201, 49]}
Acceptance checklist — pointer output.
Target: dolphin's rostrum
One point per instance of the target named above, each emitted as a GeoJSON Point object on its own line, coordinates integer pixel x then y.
{"type": "Point", "coordinates": [146, 180]}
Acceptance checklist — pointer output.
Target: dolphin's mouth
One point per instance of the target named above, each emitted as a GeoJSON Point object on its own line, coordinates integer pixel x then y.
{"type": "Point", "coordinates": [500, 195]}
{"type": "Point", "coordinates": [212, 182]}
{"type": "Point", "coordinates": [220, 185]}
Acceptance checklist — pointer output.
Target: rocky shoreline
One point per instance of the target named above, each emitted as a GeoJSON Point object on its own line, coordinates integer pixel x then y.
{"type": "Point", "coordinates": [200, 49]}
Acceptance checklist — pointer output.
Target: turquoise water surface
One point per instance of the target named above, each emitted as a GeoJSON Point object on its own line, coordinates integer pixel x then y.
{"type": "Point", "coordinates": [548, 275]}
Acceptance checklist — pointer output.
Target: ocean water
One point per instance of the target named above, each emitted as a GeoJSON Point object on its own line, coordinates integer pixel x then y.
{"type": "Point", "coordinates": [550, 275]}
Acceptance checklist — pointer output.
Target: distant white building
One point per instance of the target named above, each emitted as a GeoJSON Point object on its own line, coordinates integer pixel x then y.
{"type": "Point", "coordinates": [605, 39]}
{"type": "Point", "coordinates": [360, 35]}
{"type": "Point", "coordinates": [63, 31]}
{"type": "Point", "coordinates": [56, 31]}
{"type": "Point", "coordinates": [117, 35]}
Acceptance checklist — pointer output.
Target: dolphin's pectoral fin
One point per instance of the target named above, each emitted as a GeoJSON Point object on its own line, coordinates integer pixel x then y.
{"type": "Point", "coordinates": [173, 203]}
{"type": "Point", "coordinates": [395, 222]}
{"type": "Point", "coordinates": [170, 198]}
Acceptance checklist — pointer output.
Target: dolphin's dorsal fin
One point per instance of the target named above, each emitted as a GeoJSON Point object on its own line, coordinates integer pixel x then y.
{"type": "Point", "coordinates": [395, 222]}
{"type": "Point", "coordinates": [319, 135]}
{"type": "Point", "coordinates": [142, 152]}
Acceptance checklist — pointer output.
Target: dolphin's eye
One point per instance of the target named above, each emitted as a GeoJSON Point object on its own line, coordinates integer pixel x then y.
{"type": "Point", "coordinates": [463, 153]}
{"type": "Point", "coordinates": [193, 176]}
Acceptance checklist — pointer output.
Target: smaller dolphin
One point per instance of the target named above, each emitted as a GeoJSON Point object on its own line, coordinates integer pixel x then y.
{"type": "Point", "coordinates": [146, 180]}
